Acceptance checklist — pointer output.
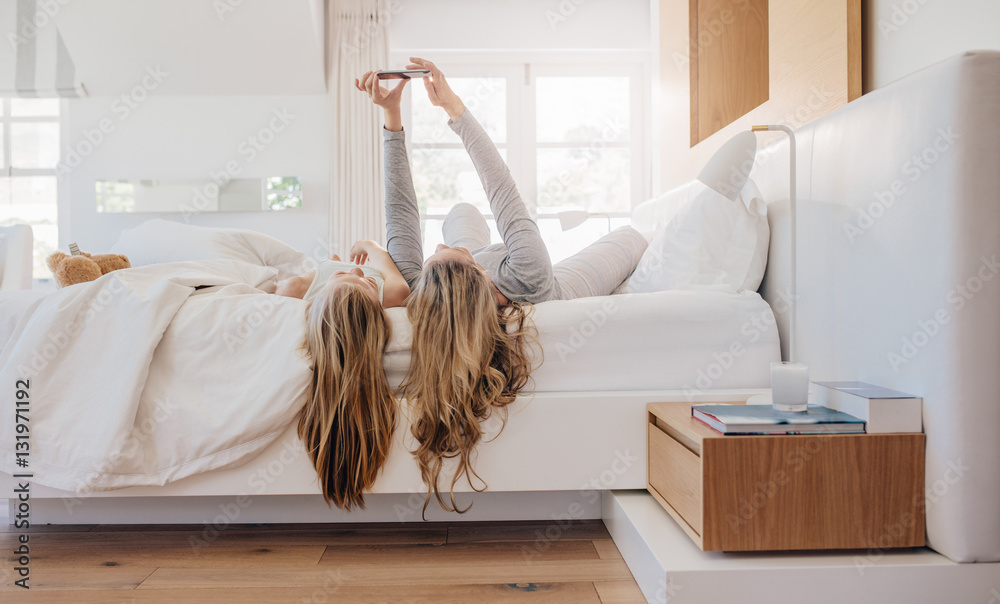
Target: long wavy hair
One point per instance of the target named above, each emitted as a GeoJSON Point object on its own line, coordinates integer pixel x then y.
{"type": "Point", "coordinates": [469, 360]}
{"type": "Point", "coordinates": [347, 425]}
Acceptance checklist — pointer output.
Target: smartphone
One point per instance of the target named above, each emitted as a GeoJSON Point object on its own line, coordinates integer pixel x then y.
{"type": "Point", "coordinates": [403, 74]}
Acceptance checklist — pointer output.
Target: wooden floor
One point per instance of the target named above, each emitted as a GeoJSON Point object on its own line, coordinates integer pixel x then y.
{"type": "Point", "coordinates": [315, 563]}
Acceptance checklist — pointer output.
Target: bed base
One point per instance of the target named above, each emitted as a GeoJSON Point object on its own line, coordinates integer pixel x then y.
{"type": "Point", "coordinates": [570, 448]}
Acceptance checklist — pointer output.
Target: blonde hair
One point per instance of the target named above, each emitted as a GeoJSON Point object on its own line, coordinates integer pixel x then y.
{"type": "Point", "coordinates": [468, 360]}
{"type": "Point", "coordinates": [347, 425]}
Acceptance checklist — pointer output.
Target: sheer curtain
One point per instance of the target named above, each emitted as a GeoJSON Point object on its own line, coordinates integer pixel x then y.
{"type": "Point", "coordinates": [42, 66]}
{"type": "Point", "coordinates": [358, 41]}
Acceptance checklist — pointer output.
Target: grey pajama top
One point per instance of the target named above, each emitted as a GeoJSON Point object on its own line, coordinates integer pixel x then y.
{"type": "Point", "coordinates": [519, 267]}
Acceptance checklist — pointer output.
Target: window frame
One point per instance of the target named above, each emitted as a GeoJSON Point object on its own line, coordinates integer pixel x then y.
{"type": "Point", "coordinates": [9, 171]}
{"type": "Point", "coordinates": [521, 68]}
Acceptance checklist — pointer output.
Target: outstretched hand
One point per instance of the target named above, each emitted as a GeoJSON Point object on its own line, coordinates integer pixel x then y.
{"type": "Point", "coordinates": [358, 253]}
{"type": "Point", "coordinates": [364, 248]}
{"type": "Point", "coordinates": [438, 90]}
{"type": "Point", "coordinates": [380, 95]}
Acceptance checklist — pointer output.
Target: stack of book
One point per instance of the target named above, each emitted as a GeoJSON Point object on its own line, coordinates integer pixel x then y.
{"type": "Point", "coordinates": [763, 419]}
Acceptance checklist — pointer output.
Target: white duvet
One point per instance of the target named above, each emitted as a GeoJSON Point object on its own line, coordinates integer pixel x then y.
{"type": "Point", "coordinates": [139, 378]}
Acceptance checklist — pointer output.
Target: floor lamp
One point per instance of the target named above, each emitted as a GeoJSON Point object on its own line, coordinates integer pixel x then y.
{"type": "Point", "coordinates": [789, 381]}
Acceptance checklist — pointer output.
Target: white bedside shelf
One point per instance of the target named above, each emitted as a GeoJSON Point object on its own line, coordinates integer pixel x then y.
{"type": "Point", "coordinates": [669, 567]}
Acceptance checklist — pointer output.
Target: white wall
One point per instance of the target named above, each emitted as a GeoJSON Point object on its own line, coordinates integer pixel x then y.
{"type": "Point", "coordinates": [187, 137]}
{"type": "Point", "coordinates": [520, 24]}
{"type": "Point", "coordinates": [174, 137]}
{"type": "Point", "coordinates": [903, 36]}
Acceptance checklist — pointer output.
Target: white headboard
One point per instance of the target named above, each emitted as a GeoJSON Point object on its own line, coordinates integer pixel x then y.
{"type": "Point", "coordinates": [898, 239]}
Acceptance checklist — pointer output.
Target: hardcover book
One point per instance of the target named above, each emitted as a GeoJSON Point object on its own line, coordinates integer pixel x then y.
{"type": "Point", "coordinates": [884, 411]}
{"type": "Point", "coordinates": [763, 419]}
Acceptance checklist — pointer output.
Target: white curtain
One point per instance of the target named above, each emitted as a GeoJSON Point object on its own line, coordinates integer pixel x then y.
{"type": "Point", "coordinates": [358, 42]}
{"type": "Point", "coordinates": [42, 65]}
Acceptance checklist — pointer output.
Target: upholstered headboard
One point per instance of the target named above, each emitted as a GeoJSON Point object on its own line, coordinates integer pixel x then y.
{"type": "Point", "coordinates": [898, 284]}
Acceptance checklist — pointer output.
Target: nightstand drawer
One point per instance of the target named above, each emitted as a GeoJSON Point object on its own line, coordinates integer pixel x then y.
{"type": "Point", "coordinates": [675, 474]}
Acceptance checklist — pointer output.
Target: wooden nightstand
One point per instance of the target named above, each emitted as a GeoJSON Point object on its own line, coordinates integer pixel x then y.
{"type": "Point", "coordinates": [789, 492]}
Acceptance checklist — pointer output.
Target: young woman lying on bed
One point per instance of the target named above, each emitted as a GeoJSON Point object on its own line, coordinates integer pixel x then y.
{"type": "Point", "coordinates": [348, 422]}
{"type": "Point", "coordinates": [470, 300]}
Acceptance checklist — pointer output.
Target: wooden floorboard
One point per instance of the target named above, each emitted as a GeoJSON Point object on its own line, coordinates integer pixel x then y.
{"type": "Point", "coordinates": [111, 577]}
{"type": "Point", "coordinates": [619, 592]}
{"type": "Point", "coordinates": [545, 561]}
{"type": "Point", "coordinates": [535, 593]}
{"type": "Point", "coordinates": [48, 528]}
{"type": "Point", "coordinates": [509, 552]}
{"type": "Point", "coordinates": [54, 557]}
{"type": "Point", "coordinates": [607, 550]}
{"type": "Point", "coordinates": [204, 537]}
{"type": "Point", "coordinates": [542, 532]}
{"type": "Point", "coordinates": [400, 574]}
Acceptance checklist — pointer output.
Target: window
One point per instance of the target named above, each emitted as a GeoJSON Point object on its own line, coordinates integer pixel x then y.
{"type": "Point", "coordinates": [29, 131]}
{"type": "Point", "coordinates": [283, 192]}
{"type": "Point", "coordinates": [570, 133]}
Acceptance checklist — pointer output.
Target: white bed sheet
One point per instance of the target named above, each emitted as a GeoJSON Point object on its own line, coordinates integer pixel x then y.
{"type": "Point", "coordinates": [673, 340]}
{"type": "Point", "coordinates": [139, 378]}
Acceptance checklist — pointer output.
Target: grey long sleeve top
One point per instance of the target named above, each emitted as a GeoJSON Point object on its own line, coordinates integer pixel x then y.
{"type": "Point", "coordinates": [520, 266]}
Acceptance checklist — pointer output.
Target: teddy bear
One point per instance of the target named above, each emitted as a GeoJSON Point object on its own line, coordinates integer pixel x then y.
{"type": "Point", "coordinates": [83, 267]}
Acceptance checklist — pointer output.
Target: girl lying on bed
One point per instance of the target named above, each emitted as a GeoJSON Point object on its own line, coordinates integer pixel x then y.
{"type": "Point", "coordinates": [348, 422]}
{"type": "Point", "coordinates": [470, 300]}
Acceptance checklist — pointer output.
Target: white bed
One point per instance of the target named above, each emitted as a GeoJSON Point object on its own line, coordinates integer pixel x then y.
{"type": "Point", "coordinates": [208, 378]}
{"type": "Point", "coordinates": [604, 359]}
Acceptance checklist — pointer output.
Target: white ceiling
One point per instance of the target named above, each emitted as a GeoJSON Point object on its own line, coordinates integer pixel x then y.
{"type": "Point", "coordinates": [260, 47]}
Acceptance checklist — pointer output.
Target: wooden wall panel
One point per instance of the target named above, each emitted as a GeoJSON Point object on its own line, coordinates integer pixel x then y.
{"type": "Point", "coordinates": [813, 68]}
{"type": "Point", "coordinates": [729, 66]}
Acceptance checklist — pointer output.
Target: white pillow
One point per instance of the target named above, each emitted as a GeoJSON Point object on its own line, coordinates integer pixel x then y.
{"type": "Point", "coordinates": [156, 241]}
{"type": "Point", "coordinates": [706, 241]}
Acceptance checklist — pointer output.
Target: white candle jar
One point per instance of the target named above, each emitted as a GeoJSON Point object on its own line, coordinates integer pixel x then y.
{"type": "Point", "coordinates": [789, 386]}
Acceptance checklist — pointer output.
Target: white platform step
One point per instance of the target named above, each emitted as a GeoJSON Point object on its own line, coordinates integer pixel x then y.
{"type": "Point", "coordinates": [670, 568]}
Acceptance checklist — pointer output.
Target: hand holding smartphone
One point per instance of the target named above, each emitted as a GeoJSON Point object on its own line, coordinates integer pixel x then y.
{"type": "Point", "coordinates": [403, 74]}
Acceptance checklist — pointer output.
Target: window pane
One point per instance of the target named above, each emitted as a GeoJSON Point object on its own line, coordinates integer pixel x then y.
{"type": "Point", "coordinates": [284, 192]}
{"type": "Point", "coordinates": [113, 196]}
{"type": "Point", "coordinates": [582, 109]}
{"type": "Point", "coordinates": [594, 180]}
{"type": "Point", "coordinates": [32, 201]}
{"type": "Point", "coordinates": [34, 145]}
{"type": "Point", "coordinates": [46, 241]}
{"type": "Point", "coordinates": [444, 177]}
{"type": "Point", "coordinates": [563, 244]}
{"type": "Point", "coordinates": [3, 159]}
{"type": "Point", "coordinates": [485, 97]}
{"type": "Point", "coordinates": [34, 107]}
{"type": "Point", "coordinates": [32, 190]}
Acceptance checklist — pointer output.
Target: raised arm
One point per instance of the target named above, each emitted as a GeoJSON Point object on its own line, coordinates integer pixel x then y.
{"type": "Point", "coordinates": [402, 216]}
{"type": "Point", "coordinates": [395, 290]}
{"type": "Point", "coordinates": [527, 267]}
{"type": "Point", "coordinates": [526, 252]}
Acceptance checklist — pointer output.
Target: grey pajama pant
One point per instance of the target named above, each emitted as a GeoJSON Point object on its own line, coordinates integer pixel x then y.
{"type": "Point", "coordinates": [596, 270]}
